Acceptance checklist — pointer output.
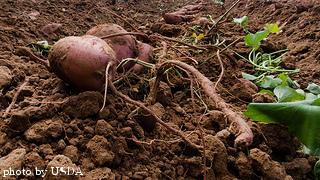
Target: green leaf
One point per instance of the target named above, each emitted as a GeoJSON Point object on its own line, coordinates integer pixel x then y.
{"type": "Point", "coordinates": [284, 79]}
{"type": "Point", "coordinates": [267, 91]}
{"type": "Point", "coordinates": [254, 39]}
{"type": "Point", "coordinates": [302, 93]}
{"type": "Point", "coordinates": [301, 117]}
{"type": "Point", "coordinates": [292, 84]}
{"type": "Point", "coordinates": [241, 21]}
{"type": "Point", "coordinates": [41, 46]}
{"type": "Point", "coordinates": [313, 88]}
{"type": "Point", "coordinates": [273, 28]}
{"type": "Point", "coordinates": [310, 96]}
{"type": "Point", "coordinates": [269, 82]}
{"type": "Point", "coordinates": [316, 102]}
{"type": "Point", "coordinates": [249, 76]}
{"type": "Point", "coordinates": [44, 44]}
{"type": "Point", "coordinates": [286, 94]}
{"type": "Point", "coordinates": [311, 152]}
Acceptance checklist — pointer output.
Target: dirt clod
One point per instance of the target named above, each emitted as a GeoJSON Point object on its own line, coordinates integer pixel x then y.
{"type": "Point", "coordinates": [44, 131]}
{"type": "Point", "coordinates": [297, 168]}
{"type": "Point", "coordinates": [268, 168]}
{"type": "Point", "coordinates": [5, 76]}
{"type": "Point", "coordinates": [83, 105]}
{"type": "Point", "coordinates": [99, 149]}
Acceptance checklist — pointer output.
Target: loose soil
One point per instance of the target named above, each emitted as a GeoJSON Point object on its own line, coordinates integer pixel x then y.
{"type": "Point", "coordinates": [71, 130]}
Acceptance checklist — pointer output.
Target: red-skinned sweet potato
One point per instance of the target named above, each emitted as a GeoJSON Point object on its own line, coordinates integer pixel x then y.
{"type": "Point", "coordinates": [145, 52]}
{"type": "Point", "coordinates": [125, 46]}
{"type": "Point", "coordinates": [81, 61]}
{"type": "Point", "coordinates": [172, 18]}
{"type": "Point", "coordinates": [50, 28]}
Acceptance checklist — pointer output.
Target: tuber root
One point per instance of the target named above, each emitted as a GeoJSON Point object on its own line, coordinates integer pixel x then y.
{"type": "Point", "coordinates": [245, 136]}
{"type": "Point", "coordinates": [81, 61]}
{"type": "Point", "coordinates": [125, 46]}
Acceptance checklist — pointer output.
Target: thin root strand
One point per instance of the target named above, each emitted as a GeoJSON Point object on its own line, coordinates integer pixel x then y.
{"type": "Point", "coordinates": [114, 90]}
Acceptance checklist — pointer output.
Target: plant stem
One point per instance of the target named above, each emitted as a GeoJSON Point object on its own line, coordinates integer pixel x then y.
{"type": "Point", "coordinates": [136, 60]}
{"type": "Point", "coordinates": [227, 12]}
{"type": "Point", "coordinates": [203, 103]}
{"type": "Point", "coordinates": [226, 47]}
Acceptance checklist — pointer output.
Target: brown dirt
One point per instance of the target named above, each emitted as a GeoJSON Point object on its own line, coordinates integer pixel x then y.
{"type": "Point", "coordinates": [101, 144]}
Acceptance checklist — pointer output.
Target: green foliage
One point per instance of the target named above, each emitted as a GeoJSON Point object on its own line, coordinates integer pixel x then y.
{"type": "Point", "coordinates": [287, 94]}
{"type": "Point", "coordinates": [253, 40]}
{"type": "Point", "coordinates": [269, 82]}
{"type": "Point", "coordinates": [297, 109]}
{"type": "Point", "coordinates": [313, 88]}
{"type": "Point", "coordinates": [241, 21]}
{"type": "Point", "coordinates": [273, 28]}
{"type": "Point", "coordinates": [41, 46]}
{"type": "Point", "coordinates": [301, 117]}
{"type": "Point", "coordinates": [263, 63]}
{"type": "Point", "coordinates": [284, 89]}
{"type": "Point", "coordinates": [249, 76]}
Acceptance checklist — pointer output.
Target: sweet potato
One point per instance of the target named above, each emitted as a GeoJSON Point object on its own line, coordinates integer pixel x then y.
{"type": "Point", "coordinates": [125, 46]}
{"type": "Point", "coordinates": [81, 61]}
{"type": "Point", "coordinates": [192, 7]}
{"type": "Point", "coordinates": [172, 18]}
{"type": "Point", "coordinates": [145, 53]}
{"type": "Point", "coordinates": [50, 28]}
{"type": "Point", "coordinates": [184, 14]}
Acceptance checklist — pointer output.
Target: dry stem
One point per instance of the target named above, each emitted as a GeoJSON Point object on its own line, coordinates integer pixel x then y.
{"type": "Point", "coordinates": [154, 37]}
{"type": "Point", "coordinates": [178, 41]}
{"type": "Point", "coordinates": [124, 33]}
{"type": "Point", "coordinates": [221, 17]}
{"type": "Point", "coordinates": [222, 70]}
{"type": "Point", "coordinates": [106, 86]}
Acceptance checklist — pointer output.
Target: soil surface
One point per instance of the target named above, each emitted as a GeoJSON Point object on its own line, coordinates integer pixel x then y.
{"type": "Point", "coordinates": [53, 125]}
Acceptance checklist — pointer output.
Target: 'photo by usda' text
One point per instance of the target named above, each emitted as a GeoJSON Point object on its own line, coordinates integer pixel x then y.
{"type": "Point", "coordinates": [55, 171]}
